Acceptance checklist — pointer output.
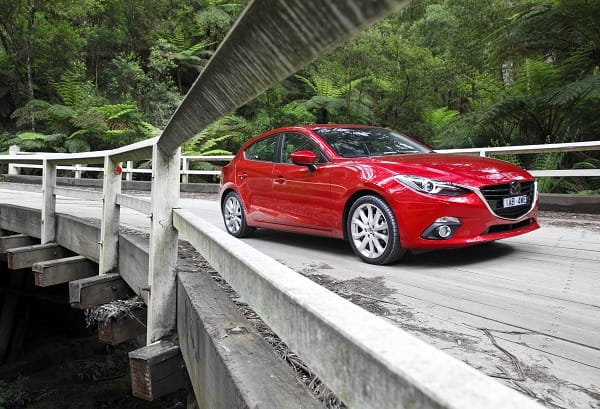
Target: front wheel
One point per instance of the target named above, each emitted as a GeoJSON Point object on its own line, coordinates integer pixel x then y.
{"type": "Point", "coordinates": [373, 231]}
{"type": "Point", "coordinates": [234, 216]}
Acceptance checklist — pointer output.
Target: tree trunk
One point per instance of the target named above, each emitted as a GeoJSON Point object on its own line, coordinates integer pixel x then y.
{"type": "Point", "coordinates": [29, 51]}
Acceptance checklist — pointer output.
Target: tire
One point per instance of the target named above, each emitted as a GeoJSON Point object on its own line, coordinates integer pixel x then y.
{"type": "Point", "coordinates": [373, 231]}
{"type": "Point", "coordinates": [234, 216]}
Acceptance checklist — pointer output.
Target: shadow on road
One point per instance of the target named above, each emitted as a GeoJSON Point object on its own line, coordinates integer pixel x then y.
{"type": "Point", "coordinates": [437, 258]}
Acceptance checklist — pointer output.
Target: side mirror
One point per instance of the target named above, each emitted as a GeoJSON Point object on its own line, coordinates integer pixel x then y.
{"type": "Point", "coordinates": [305, 158]}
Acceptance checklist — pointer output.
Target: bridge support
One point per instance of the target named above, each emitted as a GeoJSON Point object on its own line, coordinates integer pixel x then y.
{"type": "Point", "coordinates": [63, 270]}
{"type": "Point", "coordinates": [157, 370]}
{"type": "Point", "coordinates": [93, 291]}
{"type": "Point", "coordinates": [163, 245]}
{"type": "Point", "coordinates": [14, 240]}
{"type": "Point", "coordinates": [109, 232]}
{"type": "Point", "coordinates": [25, 257]}
{"type": "Point", "coordinates": [115, 331]}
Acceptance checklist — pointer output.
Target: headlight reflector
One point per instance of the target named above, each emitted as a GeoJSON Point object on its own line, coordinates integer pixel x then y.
{"type": "Point", "coordinates": [431, 186]}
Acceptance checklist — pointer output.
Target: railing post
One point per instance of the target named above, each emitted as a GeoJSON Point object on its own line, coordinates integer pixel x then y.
{"type": "Point", "coordinates": [78, 171]}
{"type": "Point", "coordinates": [185, 166]}
{"type": "Point", "coordinates": [128, 173]}
{"type": "Point", "coordinates": [163, 245]}
{"type": "Point", "coordinates": [48, 232]}
{"type": "Point", "coordinates": [12, 169]}
{"type": "Point", "coordinates": [109, 233]}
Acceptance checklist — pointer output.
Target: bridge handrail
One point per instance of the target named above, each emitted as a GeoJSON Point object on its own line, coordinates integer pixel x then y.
{"type": "Point", "coordinates": [24, 159]}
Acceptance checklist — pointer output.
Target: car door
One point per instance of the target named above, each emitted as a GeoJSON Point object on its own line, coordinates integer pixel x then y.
{"type": "Point", "coordinates": [254, 176]}
{"type": "Point", "coordinates": [302, 196]}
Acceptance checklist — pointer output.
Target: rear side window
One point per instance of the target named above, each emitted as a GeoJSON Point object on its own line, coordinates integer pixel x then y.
{"type": "Point", "coordinates": [262, 150]}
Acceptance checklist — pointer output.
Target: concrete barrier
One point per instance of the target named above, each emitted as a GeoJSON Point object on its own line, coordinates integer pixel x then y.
{"type": "Point", "coordinates": [363, 359]}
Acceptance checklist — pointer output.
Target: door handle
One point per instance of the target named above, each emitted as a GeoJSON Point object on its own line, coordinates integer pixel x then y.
{"type": "Point", "coordinates": [242, 175]}
{"type": "Point", "coordinates": [280, 180]}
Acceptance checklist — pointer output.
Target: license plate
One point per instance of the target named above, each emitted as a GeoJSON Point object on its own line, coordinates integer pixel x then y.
{"type": "Point", "coordinates": [515, 201]}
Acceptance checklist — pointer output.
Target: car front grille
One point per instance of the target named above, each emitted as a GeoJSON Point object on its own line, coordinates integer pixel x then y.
{"type": "Point", "coordinates": [495, 195]}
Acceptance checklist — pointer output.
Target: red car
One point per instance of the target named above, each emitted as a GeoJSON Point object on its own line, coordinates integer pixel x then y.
{"type": "Point", "coordinates": [379, 189]}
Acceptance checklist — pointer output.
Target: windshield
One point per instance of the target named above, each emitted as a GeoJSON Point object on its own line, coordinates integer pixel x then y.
{"type": "Point", "coordinates": [357, 142]}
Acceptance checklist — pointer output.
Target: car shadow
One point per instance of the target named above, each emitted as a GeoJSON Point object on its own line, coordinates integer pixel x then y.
{"type": "Point", "coordinates": [304, 241]}
{"type": "Point", "coordinates": [435, 258]}
{"type": "Point", "coordinates": [458, 257]}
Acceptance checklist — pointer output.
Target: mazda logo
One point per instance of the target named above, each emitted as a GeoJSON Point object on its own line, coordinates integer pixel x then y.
{"type": "Point", "coordinates": [514, 188]}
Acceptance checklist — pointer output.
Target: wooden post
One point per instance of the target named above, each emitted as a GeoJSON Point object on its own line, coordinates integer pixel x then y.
{"type": "Point", "coordinates": [48, 233]}
{"type": "Point", "coordinates": [12, 169]}
{"type": "Point", "coordinates": [157, 370]}
{"type": "Point", "coordinates": [185, 167]}
{"type": "Point", "coordinates": [109, 233]}
{"type": "Point", "coordinates": [163, 245]}
{"type": "Point", "coordinates": [128, 172]}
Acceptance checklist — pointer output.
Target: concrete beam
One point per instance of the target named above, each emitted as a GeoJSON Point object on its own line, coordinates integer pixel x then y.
{"type": "Point", "coordinates": [98, 290]}
{"type": "Point", "coordinates": [27, 256]}
{"type": "Point", "coordinates": [21, 219]}
{"type": "Point", "coordinates": [63, 270]}
{"type": "Point", "coordinates": [227, 359]}
{"type": "Point", "coordinates": [157, 370]}
{"type": "Point", "coordinates": [123, 329]}
{"type": "Point", "coordinates": [133, 263]}
{"type": "Point", "coordinates": [79, 236]}
{"type": "Point", "coordinates": [265, 46]}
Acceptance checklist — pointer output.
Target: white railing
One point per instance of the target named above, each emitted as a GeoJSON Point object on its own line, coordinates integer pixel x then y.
{"type": "Point", "coordinates": [129, 170]}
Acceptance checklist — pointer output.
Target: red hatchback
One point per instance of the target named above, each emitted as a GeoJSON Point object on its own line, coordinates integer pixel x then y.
{"type": "Point", "coordinates": [379, 189]}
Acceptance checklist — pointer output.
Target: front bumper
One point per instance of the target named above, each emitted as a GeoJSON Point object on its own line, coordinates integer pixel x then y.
{"type": "Point", "coordinates": [478, 224]}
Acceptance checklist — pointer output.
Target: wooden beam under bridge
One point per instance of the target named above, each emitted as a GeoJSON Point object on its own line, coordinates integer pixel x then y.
{"type": "Point", "coordinates": [27, 256]}
{"type": "Point", "coordinates": [63, 270]}
{"type": "Point", "coordinates": [14, 240]}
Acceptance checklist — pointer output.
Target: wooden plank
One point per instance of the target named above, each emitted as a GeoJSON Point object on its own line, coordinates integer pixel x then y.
{"type": "Point", "coordinates": [157, 370]}
{"type": "Point", "coordinates": [140, 204]}
{"type": "Point", "coordinates": [123, 329]}
{"type": "Point", "coordinates": [27, 256]}
{"type": "Point", "coordinates": [82, 194]}
{"type": "Point", "coordinates": [63, 270]}
{"type": "Point", "coordinates": [98, 290]}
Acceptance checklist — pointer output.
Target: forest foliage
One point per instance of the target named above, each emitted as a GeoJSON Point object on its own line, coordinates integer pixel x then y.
{"type": "Point", "coordinates": [80, 75]}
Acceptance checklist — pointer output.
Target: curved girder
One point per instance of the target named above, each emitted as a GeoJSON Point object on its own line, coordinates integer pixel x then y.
{"type": "Point", "coordinates": [269, 42]}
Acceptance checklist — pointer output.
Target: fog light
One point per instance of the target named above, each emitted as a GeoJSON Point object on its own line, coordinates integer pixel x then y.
{"type": "Point", "coordinates": [442, 228]}
{"type": "Point", "coordinates": [444, 231]}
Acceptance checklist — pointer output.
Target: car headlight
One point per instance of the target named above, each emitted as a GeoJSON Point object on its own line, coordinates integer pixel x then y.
{"type": "Point", "coordinates": [431, 186]}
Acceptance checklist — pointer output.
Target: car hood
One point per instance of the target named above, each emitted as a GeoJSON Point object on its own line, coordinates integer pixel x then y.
{"type": "Point", "coordinates": [467, 170]}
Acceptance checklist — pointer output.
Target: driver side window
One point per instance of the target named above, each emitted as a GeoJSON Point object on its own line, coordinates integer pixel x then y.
{"type": "Point", "coordinates": [293, 142]}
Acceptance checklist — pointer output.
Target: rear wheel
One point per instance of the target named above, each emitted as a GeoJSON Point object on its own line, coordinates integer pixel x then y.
{"type": "Point", "coordinates": [234, 216]}
{"type": "Point", "coordinates": [373, 231]}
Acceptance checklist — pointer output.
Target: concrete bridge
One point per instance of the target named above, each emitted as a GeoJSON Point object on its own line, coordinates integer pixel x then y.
{"type": "Point", "coordinates": [365, 360]}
